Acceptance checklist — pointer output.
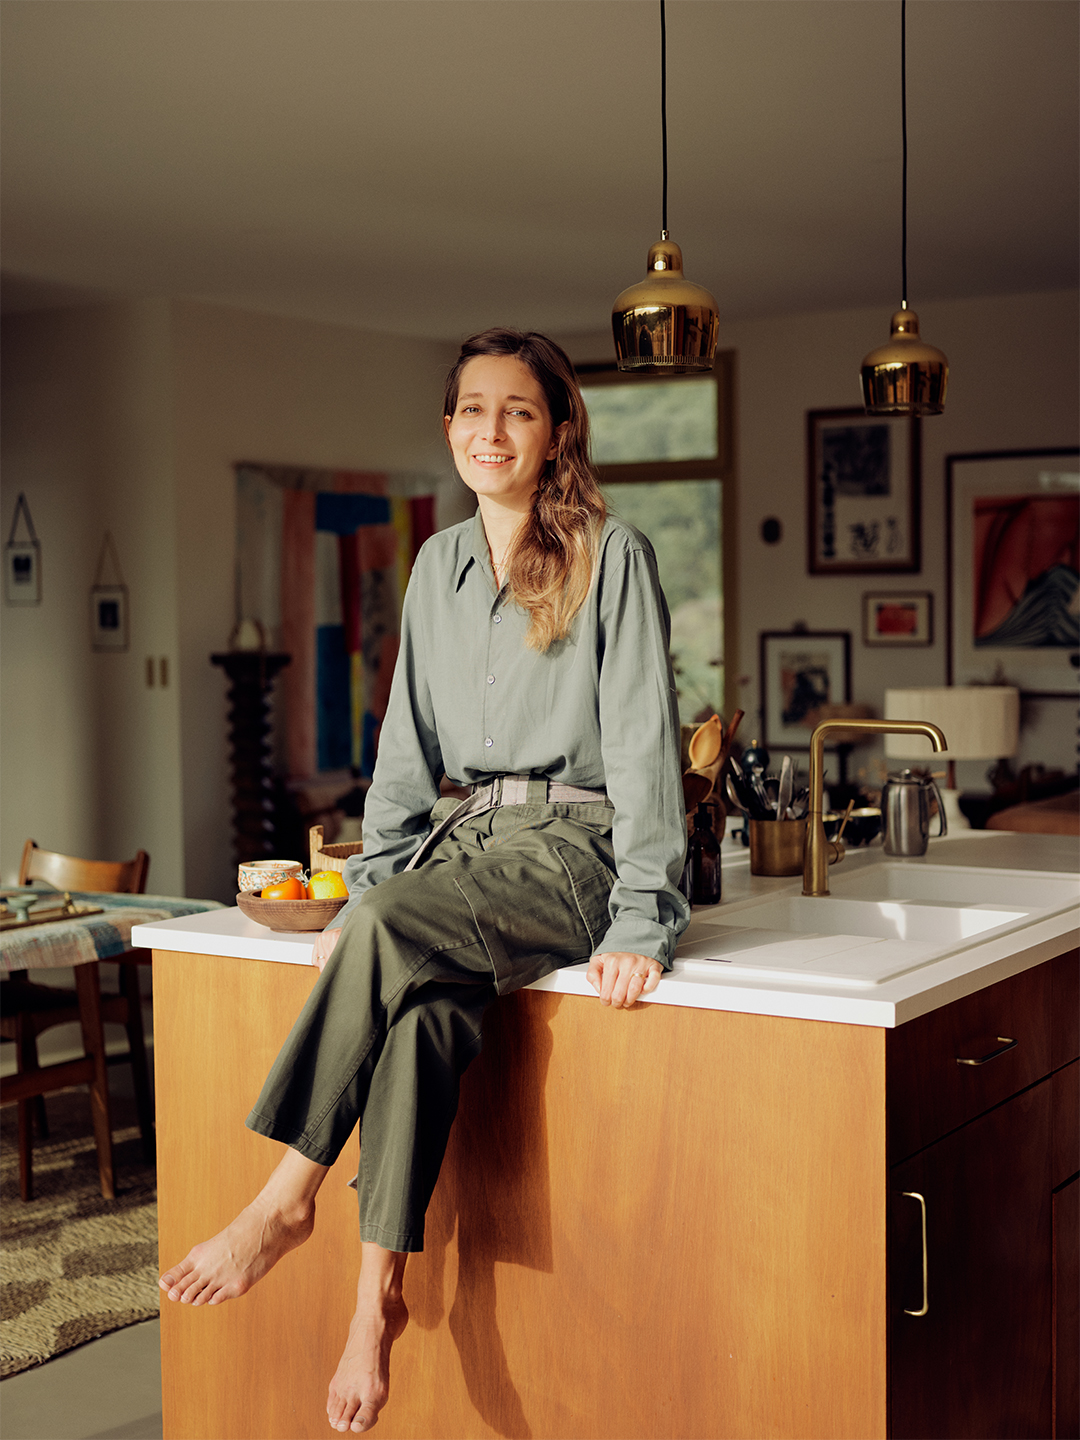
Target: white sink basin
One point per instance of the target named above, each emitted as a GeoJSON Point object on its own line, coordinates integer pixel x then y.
{"type": "Point", "coordinates": [876, 919]}
{"type": "Point", "coordinates": [879, 922]}
{"type": "Point", "coordinates": [955, 886]}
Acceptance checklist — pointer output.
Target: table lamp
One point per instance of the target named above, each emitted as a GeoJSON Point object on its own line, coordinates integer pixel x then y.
{"type": "Point", "coordinates": [980, 722]}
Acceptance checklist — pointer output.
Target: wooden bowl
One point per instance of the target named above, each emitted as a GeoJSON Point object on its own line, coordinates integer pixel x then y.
{"type": "Point", "coordinates": [290, 914]}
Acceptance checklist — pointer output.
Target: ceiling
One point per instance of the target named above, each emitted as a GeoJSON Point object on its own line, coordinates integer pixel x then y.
{"type": "Point", "coordinates": [429, 167]}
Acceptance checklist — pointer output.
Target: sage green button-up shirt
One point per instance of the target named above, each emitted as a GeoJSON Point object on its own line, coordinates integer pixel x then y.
{"type": "Point", "coordinates": [598, 710]}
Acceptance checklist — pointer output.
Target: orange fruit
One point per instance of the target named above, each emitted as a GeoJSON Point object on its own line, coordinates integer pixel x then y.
{"type": "Point", "coordinates": [291, 889]}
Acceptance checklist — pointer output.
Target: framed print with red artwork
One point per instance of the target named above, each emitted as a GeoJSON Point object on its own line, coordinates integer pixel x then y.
{"type": "Point", "coordinates": [1014, 569]}
{"type": "Point", "coordinates": [898, 617]}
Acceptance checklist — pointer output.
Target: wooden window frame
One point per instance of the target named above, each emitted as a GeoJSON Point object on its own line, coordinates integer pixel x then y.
{"type": "Point", "coordinates": [721, 467]}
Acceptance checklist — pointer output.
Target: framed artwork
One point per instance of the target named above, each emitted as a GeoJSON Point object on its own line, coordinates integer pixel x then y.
{"type": "Point", "coordinates": [800, 671]}
{"type": "Point", "coordinates": [863, 493]}
{"type": "Point", "coordinates": [109, 617]}
{"type": "Point", "coordinates": [22, 560]}
{"type": "Point", "coordinates": [1013, 552]}
{"type": "Point", "coordinates": [898, 617]}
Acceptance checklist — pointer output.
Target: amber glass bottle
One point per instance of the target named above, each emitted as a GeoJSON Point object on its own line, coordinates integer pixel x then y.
{"type": "Point", "coordinates": [701, 878]}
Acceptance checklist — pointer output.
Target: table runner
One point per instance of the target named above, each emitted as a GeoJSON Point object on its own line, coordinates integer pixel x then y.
{"type": "Point", "coordinates": [77, 940]}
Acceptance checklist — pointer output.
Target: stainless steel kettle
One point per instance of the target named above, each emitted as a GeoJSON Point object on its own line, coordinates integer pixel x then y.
{"type": "Point", "coordinates": [905, 813]}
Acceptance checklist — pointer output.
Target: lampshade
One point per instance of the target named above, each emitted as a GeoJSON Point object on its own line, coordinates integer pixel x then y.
{"type": "Point", "coordinates": [665, 322]}
{"type": "Point", "coordinates": [906, 376]}
{"type": "Point", "coordinates": [979, 722]}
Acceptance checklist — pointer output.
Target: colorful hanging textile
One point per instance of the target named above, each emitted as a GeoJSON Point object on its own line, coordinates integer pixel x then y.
{"type": "Point", "coordinates": [323, 558]}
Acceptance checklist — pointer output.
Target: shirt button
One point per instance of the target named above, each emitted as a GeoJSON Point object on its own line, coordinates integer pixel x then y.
{"type": "Point", "coordinates": [491, 679]}
{"type": "Point", "coordinates": [497, 620]}
{"type": "Point", "coordinates": [489, 742]}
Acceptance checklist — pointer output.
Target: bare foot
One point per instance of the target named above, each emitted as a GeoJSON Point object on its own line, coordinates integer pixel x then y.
{"type": "Point", "coordinates": [361, 1384]}
{"type": "Point", "coordinates": [229, 1265]}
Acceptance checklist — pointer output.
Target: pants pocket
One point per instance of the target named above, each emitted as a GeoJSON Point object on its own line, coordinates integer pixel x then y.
{"type": "Point", "coordinates": [591, 883]}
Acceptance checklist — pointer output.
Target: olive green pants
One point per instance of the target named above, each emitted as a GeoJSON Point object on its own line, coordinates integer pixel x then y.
{"type": "Point", "coordinates": [395, 1018]}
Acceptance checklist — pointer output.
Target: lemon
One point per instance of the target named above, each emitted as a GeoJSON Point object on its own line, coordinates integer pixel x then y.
{"type": "Point", "coordinates": [327, 885]}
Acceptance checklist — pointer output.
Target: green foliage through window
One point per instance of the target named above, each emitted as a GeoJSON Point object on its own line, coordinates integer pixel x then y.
{"type": "Point", "coordinates": [682, 519]}
{"type": "Point", "coordinates": [661, 420]}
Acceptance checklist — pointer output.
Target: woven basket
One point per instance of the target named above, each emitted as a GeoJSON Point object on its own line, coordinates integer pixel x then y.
{"type": "Point", "coordinates": [330, 857]}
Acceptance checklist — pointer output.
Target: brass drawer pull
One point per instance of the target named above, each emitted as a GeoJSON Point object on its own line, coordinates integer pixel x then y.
{"type": "Point", "coordinates": [1004, 1043]}
{"type": "Point", "coordinates": [914, 1195]}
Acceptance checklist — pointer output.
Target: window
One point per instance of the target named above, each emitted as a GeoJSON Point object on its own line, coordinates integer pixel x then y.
{"type": "Point", "coordinates": [663, 447]}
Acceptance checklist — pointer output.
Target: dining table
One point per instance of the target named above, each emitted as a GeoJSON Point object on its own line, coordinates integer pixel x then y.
{"type": "Point", "coordinates": [97, 927]}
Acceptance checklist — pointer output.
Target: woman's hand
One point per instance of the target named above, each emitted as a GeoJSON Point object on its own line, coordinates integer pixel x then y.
{"type": "Point", "coordinates": [620, 979]}
{"type": "Point", "coordinates": [324, 944]}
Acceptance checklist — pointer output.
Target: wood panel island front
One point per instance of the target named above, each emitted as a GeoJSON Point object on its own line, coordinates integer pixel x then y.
{"type": "Point", "coordinates": [700, 1218]}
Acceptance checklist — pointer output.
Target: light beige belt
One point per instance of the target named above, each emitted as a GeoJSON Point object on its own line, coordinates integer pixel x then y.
{"type": "Point", "coordinates": [509, 790]}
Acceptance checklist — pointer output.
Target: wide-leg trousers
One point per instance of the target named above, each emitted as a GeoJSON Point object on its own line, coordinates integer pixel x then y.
{"type": "Point", "coordinates": [395, 1018]}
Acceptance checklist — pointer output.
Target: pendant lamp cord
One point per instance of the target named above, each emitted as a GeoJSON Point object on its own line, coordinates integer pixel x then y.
{"type": "Point", "coordinates": [903, 131]}
{"type": "Point", "coordinates": [663, 107]}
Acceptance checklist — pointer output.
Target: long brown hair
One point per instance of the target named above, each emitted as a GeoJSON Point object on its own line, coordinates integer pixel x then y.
{"type": "Point", "coordinates": [551, 562]}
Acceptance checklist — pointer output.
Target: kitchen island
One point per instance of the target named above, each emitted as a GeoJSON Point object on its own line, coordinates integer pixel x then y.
{"type": "Point", "coordinates": [693, 1219]}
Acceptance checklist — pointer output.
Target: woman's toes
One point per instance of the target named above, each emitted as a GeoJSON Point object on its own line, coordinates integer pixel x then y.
{"type": "Point", "coordinates": [171, 1281]}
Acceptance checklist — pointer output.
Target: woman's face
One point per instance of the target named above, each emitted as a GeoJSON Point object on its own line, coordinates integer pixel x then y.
{"type": "Point", "coordinates": [500, 432]}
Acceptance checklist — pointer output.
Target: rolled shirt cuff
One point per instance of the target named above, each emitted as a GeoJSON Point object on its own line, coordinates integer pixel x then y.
{"type": "Point", "coordinates": [634, 935]}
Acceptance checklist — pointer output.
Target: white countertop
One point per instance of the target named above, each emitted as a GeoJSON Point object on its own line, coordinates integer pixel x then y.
{"type": "Point", "coordinates": [702, 984]}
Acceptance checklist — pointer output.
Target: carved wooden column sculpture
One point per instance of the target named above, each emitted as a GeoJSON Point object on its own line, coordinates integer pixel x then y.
{"type": "Point", "coordinates": [251, 678]}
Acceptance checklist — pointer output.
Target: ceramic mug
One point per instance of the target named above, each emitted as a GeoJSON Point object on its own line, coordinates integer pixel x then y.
{"type": "Point", "coordinates": [253, 875]}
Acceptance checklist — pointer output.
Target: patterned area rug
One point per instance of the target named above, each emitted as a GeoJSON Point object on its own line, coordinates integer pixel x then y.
{"type": "Point", "coordinates": [74, 1266]}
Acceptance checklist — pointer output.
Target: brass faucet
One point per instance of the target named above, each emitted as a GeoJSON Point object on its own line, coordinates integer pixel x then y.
{"type": "Point", "coordinates": [815, 856]}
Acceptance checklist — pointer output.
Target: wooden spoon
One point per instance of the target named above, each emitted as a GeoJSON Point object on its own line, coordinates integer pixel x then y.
{"type": "Point", "coordinates": [696, 787]}
{"type": "Point", "coordinates": [705, 743]}
{"type": "Point", "coordinates": [729, 737]}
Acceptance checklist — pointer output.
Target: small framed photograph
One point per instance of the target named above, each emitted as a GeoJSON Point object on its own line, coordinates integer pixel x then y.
{"type": "Point", "coordinates": [898, 617]}
{"type": "Point", "coordinates": [109, 617]}
{"type": "Point", "coordinates": [22, 559]}
{"type": "Point", "coordinates": [801, 670]}
{"type": "Point", "coordinates": [1013, 554]}
{"type": "Point", "coordinates": [22, 572]}
{"type": "Point", "coordinates": [863, 493]}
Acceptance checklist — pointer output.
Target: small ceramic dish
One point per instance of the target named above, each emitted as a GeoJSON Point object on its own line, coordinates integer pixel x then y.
{"type": "Point", "coordinates": [290, 914]}
{"type": "Point", "coordinates": [863, 826]}
{"type": "Point", "coordinates": [255, 875]}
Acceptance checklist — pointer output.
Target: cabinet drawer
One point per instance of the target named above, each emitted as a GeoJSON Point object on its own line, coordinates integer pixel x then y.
{"type": "Point", "coordinates": [930, 1088]}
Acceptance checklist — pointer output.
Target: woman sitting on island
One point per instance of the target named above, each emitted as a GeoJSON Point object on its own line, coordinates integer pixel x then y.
{"type": "Point", "coordinates": [534, 669]}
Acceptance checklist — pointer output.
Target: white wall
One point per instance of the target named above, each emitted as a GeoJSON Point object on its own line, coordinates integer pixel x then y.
{"type": "Point", "coordinates": [129, 417]}
{"type": "Point", "coordinates": [89, 756]}
{"type": "Point", "coordinates": [1013, 385]}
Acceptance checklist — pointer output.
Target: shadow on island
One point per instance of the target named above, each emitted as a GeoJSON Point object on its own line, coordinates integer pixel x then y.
{"type": "Point", "coordinates": [495, 1190]}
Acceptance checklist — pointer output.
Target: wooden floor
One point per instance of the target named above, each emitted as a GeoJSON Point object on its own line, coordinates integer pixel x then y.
{"type": "Point", "coordinates": [659, 1223]}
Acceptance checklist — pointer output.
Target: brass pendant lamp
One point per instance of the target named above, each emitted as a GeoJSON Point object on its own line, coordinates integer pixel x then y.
{"type": "Point", "coordinates": [906, 376]}
{"type": "Point", "coordinates": [665, 324]}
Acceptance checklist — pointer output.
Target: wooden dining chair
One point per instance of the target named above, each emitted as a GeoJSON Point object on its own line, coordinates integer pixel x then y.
{"type": "Point", "coordinates": [30, 1008]}
{"type": "Point", "coordinates": [66, 872]}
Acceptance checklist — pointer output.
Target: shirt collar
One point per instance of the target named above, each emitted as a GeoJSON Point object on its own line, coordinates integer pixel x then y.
{"type": "Point", "coordinates": [477, 553]}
